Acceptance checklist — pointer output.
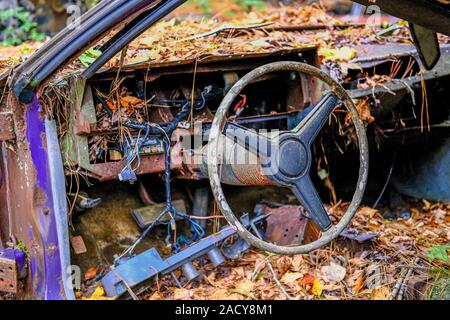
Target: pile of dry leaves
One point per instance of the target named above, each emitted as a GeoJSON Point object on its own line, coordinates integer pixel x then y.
{"type": "Point", "coordinates": [272, 29]}
{"type": "Point", "coordinates": [405, 261]}
{"type": "Point", "coordinates": [257, 32]}
{"type": "Point", "coordinates": [11, 56]}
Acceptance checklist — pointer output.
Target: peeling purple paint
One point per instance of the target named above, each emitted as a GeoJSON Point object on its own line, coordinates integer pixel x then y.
{"type": "Point", "coordinates": [50, 270]}
{"type": "Point", "coordinates": [21, 261]}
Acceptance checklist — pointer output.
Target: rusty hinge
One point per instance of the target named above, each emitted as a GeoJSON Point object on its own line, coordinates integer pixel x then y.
{"type": "Point", "coordinates": [9, 275]}
{"type": "Point", "coordinates": [6, 126]}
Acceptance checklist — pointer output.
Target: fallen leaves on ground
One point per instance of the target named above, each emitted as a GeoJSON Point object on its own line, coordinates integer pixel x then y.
{"type": "Point", "coordinates": [381, 293]}
{"type": "Point", "coordinates": [334, 273]}
{"type": "Point", "coordinates": [337, 271]}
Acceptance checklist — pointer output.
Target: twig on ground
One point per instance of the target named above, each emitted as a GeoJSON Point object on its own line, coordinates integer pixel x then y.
{"type": "Point", "coordinates": [277, 281]}
{"type": "Point", "coordinates": [408, 275]}
{"type": "Point", "coordinates": [225, 28]}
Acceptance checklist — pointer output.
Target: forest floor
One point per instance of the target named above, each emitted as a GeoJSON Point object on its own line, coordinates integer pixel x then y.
{"type": "Point", "coordinates": [408, 259]}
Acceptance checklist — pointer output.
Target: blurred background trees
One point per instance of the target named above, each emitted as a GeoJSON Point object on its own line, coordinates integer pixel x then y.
{"type": "Point", "coordinates": [32, 20]}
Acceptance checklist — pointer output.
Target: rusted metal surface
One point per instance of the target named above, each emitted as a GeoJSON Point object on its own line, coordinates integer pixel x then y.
{"type": "Point", "coordinates": [78, 245]}
{"type": "Point", "coordinates": [375, 54]}
{"type": "Point", "coordinates": [289, 225]}
{"type": "Point", "coordinates": [6, 121]}
{"type": "Point", "coordinates": [27, 200]}
{"type": "Point", "coordinates": [6, 126]}
{"type": "Point", "coordinates": [9, 278]}
{"type": "Point", "coordinates": [286, 225]}
{"type": "Point", "coordinates": [5, 212]}
{"type": "Point", "coordinates": [251, 175]}
{"type": "Point", "coordinates": [149, 165]}
{"type": "Point", "coordinates": [84, 125]}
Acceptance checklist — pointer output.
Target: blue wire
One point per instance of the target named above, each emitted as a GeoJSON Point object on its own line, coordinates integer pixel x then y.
{"type": "Point", "coordinates": [199, 232]}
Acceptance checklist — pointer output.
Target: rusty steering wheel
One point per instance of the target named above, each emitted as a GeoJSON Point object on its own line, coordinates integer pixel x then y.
{"type": "Point", "coordinates": [290, 154]}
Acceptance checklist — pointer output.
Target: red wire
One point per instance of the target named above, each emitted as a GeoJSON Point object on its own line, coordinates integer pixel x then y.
{"type": "Point", "coordinates": [241, 103]}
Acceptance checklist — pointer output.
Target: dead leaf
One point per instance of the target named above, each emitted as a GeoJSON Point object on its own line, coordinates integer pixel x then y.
{"type": "Point", "coordinates": [333, 273]}
{"type": "Point", "coordinates": [358, 262]}
{"type": "Point", "coordinates": [317, 288]}
{"type": "Point", "coordinates": [99, 294]}
{"type": "Point", "coordinates": [381, 293]}
{"type": "Point", "coordinates": [358, 285]}
{"type": "Point", "coordinates": [341, 54]}
{"type": "Point", "coordinates": [297, 262]}
{"type": "Point", "coordinates": [150, 39]}
{"type": "Point", "coordinates": [182, 294]}
{"type": "Point", "coordinates": [90, 274]}
{"type": "Point", "coordinates": [244, 293]}
{"type": "Point", "coordinates": [291, 277]}
{"type": "Point", "coordinates": [245, 288]}
{"type": "Point", "coordinates": [220, 294]}
{"type": "Point", "coordinates": [138, 59]}
{"type": "Point", "coordinates": [156, 296]}
{"type": "Point", "coordinates": [246, 285]}
{"type": "Point", "coordinates": [426, 205]}
{"type": "Point", "coordinates": [283, 264]}
{"type": "Point", "coordinates": [130, 101]}
{"type": "Point", "coordinates": [365, 112]}
{"type": "Point", "coordinates": [331, 287]}
{"type": "Point", "coordinates": [307, 280]}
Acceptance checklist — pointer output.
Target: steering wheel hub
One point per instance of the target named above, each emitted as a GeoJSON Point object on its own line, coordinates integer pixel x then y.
{"type": "Point", "coordinates": [293, 158]}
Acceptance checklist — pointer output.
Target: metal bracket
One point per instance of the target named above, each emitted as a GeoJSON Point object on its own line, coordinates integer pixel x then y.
{"type": "Point", "coordinates": [142, 267]}
{"type": "Point", "coordinates": [134, 271]}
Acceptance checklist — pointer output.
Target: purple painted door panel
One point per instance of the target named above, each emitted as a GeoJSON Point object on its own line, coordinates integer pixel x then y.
{"type": "Point", "coordinates": [32, 190]}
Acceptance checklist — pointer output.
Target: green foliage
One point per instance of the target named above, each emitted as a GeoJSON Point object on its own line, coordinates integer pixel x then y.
{"type": "Point", "coordinates": [259, 4]}
{"type": "Point", "coordinates": [205, 5]}
{"type": "Point", "coordinates": [439, 287]}
{"type": "Point", "coordinates": [91, 3]}
{"type": "Point", "coordinates": [17, 26]}
{"type": "Point", "coordinates": [439, 253]}
{"type": "Point", "coordinates": [89, 57]}
{"type": "Point", "coordinates": [22, 247]}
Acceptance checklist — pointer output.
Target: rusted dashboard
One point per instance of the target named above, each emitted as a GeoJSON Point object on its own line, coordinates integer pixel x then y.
{"type": "Point", "coordinates": [97, 139]}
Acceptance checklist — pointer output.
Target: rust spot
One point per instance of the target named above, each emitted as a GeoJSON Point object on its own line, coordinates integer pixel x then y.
{"type": "Point", "coordinates": [44, 140]}
{"type": "Point", "coordinates": [289, 225]}
{"type": "Point", "coordinates": [52, 248]}
{"type": "Point", "coordinates": [39, 198]}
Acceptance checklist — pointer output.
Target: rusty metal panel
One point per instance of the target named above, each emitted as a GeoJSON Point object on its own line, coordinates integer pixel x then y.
{"type": "Point", "coordinates": [6, 126]}
{"type": "Point", "coordinates": [8, 272]}
{"type": "Point", "coordinates": [289, 225]}
{"type": "Point", "coordinates": [286, 225]}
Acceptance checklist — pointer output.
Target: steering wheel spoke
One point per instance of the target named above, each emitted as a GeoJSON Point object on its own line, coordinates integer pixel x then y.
{"type": "Point", "coordinates": [254, 142]}
{"type": "Point", "coordinates": [307, 194]}
{"type": "Point", "coordinates": [310, 127]}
